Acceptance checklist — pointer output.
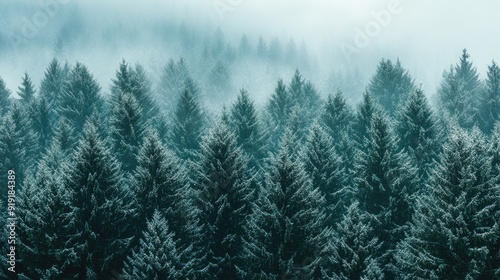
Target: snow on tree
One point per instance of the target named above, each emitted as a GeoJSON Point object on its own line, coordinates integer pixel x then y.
{"type": "Point", "coordinates": [52, 85]}
{"type": "Point", "coordinates": [454, 233]}
{"type": "Point", "coordinates": [157, 256]}
{"type": "Point", "coordinates": [337, 115]}
{"type": "Point", "coordinates": [104, 210]}
{"type": "Point", "coordinates": [279, 108]}
{"type": "Point", "coordinates": [172, 82]}
{"type": "Point", "coordinates": [391, 85]}
{"type": "Point", "coordinates": [363, 120]}
{"type": "Point", "coordinates": [189, 123]}
{"type": "Point", "coordinates": [41, 119]}
{"type": "Point", "coordinates": [127, 129]}
{"type": "Point", "coordinates": [385, 182]}
{"type": "Point", "coordinates": [80, 97]}
{"type": "Point", "coordinates": [219, 81]}
{"type": "Point", "coordinates": [489, 104]}
{"type": "Point", "coordinates": [419, 133]}
{"type": "Point", "coordinates": [223, 184]}
{"type": "Point", "coordinates": [286, 233]}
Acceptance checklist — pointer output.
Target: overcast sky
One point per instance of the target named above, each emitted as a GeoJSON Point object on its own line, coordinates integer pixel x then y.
{"type": "Point", "coordinates": [427, 36]}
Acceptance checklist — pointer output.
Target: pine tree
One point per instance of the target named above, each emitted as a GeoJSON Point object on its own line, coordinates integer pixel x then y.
{"type": "Point", "coordinates": [172, 83]}
{"type": "Point", "coordinates": [261, 48]}
{"type": "Point", "coordinates": [419, 133]}
{"type": "Point", "coordinates": [245, 124]}
{"type": "Point", "coordinates": [4, 98]}
{"type": "Point", "coordinates": [127, 129]}
{"type": "Point", "coordinates": [219, 80]}
{"type": "Point", "coordinates": [363, 120]}
{"type": "Point", "coordinates": [46, 221]}
{"type": "Point", "coordinates": [42, 120]}
{"type": "Point", "coordinates": [224, 190]}
{"type": "Point", "coordinates": [354, 254]}
{"type": "Point", "coordinates": [12, 151]}
{"type": "Point", "coordinates": [279, 109]}
{"type": "Point", "coordinates": [157, 255]}
{"type": "Point", "coordinates": [490, 102]}
{"type": "Point", "coordinates": [324, 168]}
{"type": "Point", "coordinates": [189, 123]}
{"type": "Point", "coordinates": [27, 89]}
{"type": "Point", "coordinates": [28, 137]}
{"type": "Point", "coordinates": [104, 209]}
{"type": "Point", "coordinates": [456, 224]}
{"type": "Point", "coordinates": [385, 182]}
{"type": "Point", "coordinates": [286, 233]}
{"type": "Point", "coordinates": [80, 96]}
{"type": "Point", "coordinates": [391, 85]}
{"type": "Point", "coordinates": [337, 115]}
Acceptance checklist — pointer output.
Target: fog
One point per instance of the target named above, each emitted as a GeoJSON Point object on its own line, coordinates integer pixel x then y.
{"type": "Point", "coordinates": [338, 37]}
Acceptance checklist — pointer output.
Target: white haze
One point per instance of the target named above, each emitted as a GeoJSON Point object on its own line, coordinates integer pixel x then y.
{"type": "Point", "coordinates": [427, 36]}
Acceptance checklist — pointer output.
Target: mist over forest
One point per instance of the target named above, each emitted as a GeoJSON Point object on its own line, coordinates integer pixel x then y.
{"type": "Point", "coordinates": [238, 139]}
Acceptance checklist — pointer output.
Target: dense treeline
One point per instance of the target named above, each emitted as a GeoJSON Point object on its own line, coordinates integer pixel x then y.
{"type": "Point", "coordinates": [126, 186]}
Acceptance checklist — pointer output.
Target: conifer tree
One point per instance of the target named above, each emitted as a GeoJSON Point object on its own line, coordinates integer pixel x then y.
{"type": "Point", "coordinates": [385, 182]}
{"type": "Point", "coordinates": [279, 109]}
{"type": "Point", "coordinates": [490, 100]}
{"type": "Point", "coordinates": [80, 98]}
{"type": "Point", "coordinates": [363, 120]}
{"type": "Point", "coordinates": [261, 49]}
{"type": "Point", "coordinates": [172, 83]}
{"type": "Point", "coordinates": [223, 184]}
{"type": "Point", "coordinates": [4, 98]}
{"type": "Point", "coordinates": [337, 115]}
{"type": "Point", "coordinates": [188, 124]}
{"type": "Point", "coordinates": [286, 233]}
{"type": "Point", "coordinates": [244, 48]}
{"type": "Point", "coordinates": [157, 256]}
{"type": "Point", "coordinates": [104, 209]}
{"type": "Point", "coordinates": [127, 129]}
{"type": "Point", "coordinates": [324, 168]}
{"type": "Point", "coordinates": [454, 234]}
{"type": "Point", "coordinates": [27, 89]}
{"type": "Point", "coordinates": [275, 52]}
{"type": "Point", "coordinates": [46, 223]}
{"type": "Point", "coordinates": [28, 137]}
{"type": "Point", "coordinates": [246, 126]}
{"type": "Point", "coordinates": [42, 121]}
{"type": "Point", "coordinates": [391, 85]}
{"type": "Point", "coordinates": [354, 254]}
{"type": "Point", "coordinates": [52, 85]}
{"type": "Point", "coordinates": [419, 133]}
{"type": "Point", "coordinates": [219, 80]}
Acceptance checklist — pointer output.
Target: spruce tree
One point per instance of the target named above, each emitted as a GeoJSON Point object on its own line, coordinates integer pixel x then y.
{"type": "Point", "coordinates": [80, 97]}
{"type": "Point", "coordinates": [127, 129]}
{"type": "Point", "coordinates": [419, 133]}
{"type": "Point", "coordinates": [4, 98]}
{"type": "Point", "coordinates": [172, 83]}
{"type": "Point", "coordinates": [323, 165]}
{"type": "Point", "coordinates": [223, 184]}
{"type": "Point", "coordinates": [46, 223]}
{"type": "Point", "coordinates": [337, 115]}
{"type": "Point", "coordinates": [363, 120]}
{"type": "Point", "coordinates": [52, 84]}
{"type": "Point", "coordinates": [157, 255]}
{"type": "Point", "coordinates": [28, 136]}
{"type": "Point", "coordinates": [454, 234]}
{"type": "Point", "coordinates": [261, 49]}
{"type": "Point", "coordinates": [244, 48]}
{"type": "Point", "coordinates": [104, 209]}
{"type": "Point", "coordinates": [219, 80]}
{"type": "Point", "coordinates": [385, 182]}
{"type": "Point", "coordinates": [391, 85]}
{"type": "Point", "coordinates": [490, 100]}
{"type": "Point", "coordinates": [287, 232]}
{"type": "Point", "coordinates": [42, 121]}
{"type": "Point", "coordinates": [188, 124]}
{"type": "Point", "coordinates": [355, 248]}
{"type": "Point", "coordinates": [27, 89]}
{"type": "Point", "coordinates": [247, 128]}
{"type": "Point", "coordinates": [278, 109]}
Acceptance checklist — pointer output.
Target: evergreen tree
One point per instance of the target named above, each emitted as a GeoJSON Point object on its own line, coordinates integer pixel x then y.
{"type": "Point", "coordinates": [244, 47]}
{"type": "Point", "coordinates": [80, 97]}
{"type": "Point", "coordinates": [363, 120]}
{"type": "Point", "coordinates": [456, 225]}
{"type": "Point", "coordinates": [4, 98]}
{"type": "Point", "coordinates": [189, 123]}
{"type": "Point", "coordinates": [45, 223]}
{"type": "Point", "coordinates": [337, 116]}
{"type": "Point", "coordinates": [324, 168]}
{"type": "Point", "coordinates": [224, 190]}
{"type": "Point", "coordinates": [355, 249]}
{"type": "Point", "coordinates": [27, 89]}
{"type": "Point", "coordinates": [391, 85]}
{"type": "Point", "coordinates": [286, 233]}
{"type": "Point", "coordinates": [385, 181]}
{"type": "Point", "coordinates": [28, 137]}
{"type": "Point", "coordinates": [261, 48]}
{"type": "Point", "coordinates": [458, 92]}
{"type": "Point", "coordinates": [104, 210]}
{"type": "Point", "coordinates": [219, 80]}
{"type": "Point", "coordinates": [127, 129]}
{"type": "Point", "coordinates": [245, 124]}
{"type": "Point", "coordinates": [172, 83]}
{"type": "Point", "coordinates": [12, 151]}
{"type": "Point", "coordinates": [52, 85]}
{"type": "Point", "coordinates": [279, 109]}
{"type": "Point", "coordinates": [275, 52]}
{"type": "Point", "coordinates": [490, 102]}
{"type": "Point", "coordinates": [42, 121]}
{"type": "Point", "coordinates": [419, 133]}
{"type": "Point", "coordinates": [157, 255]}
